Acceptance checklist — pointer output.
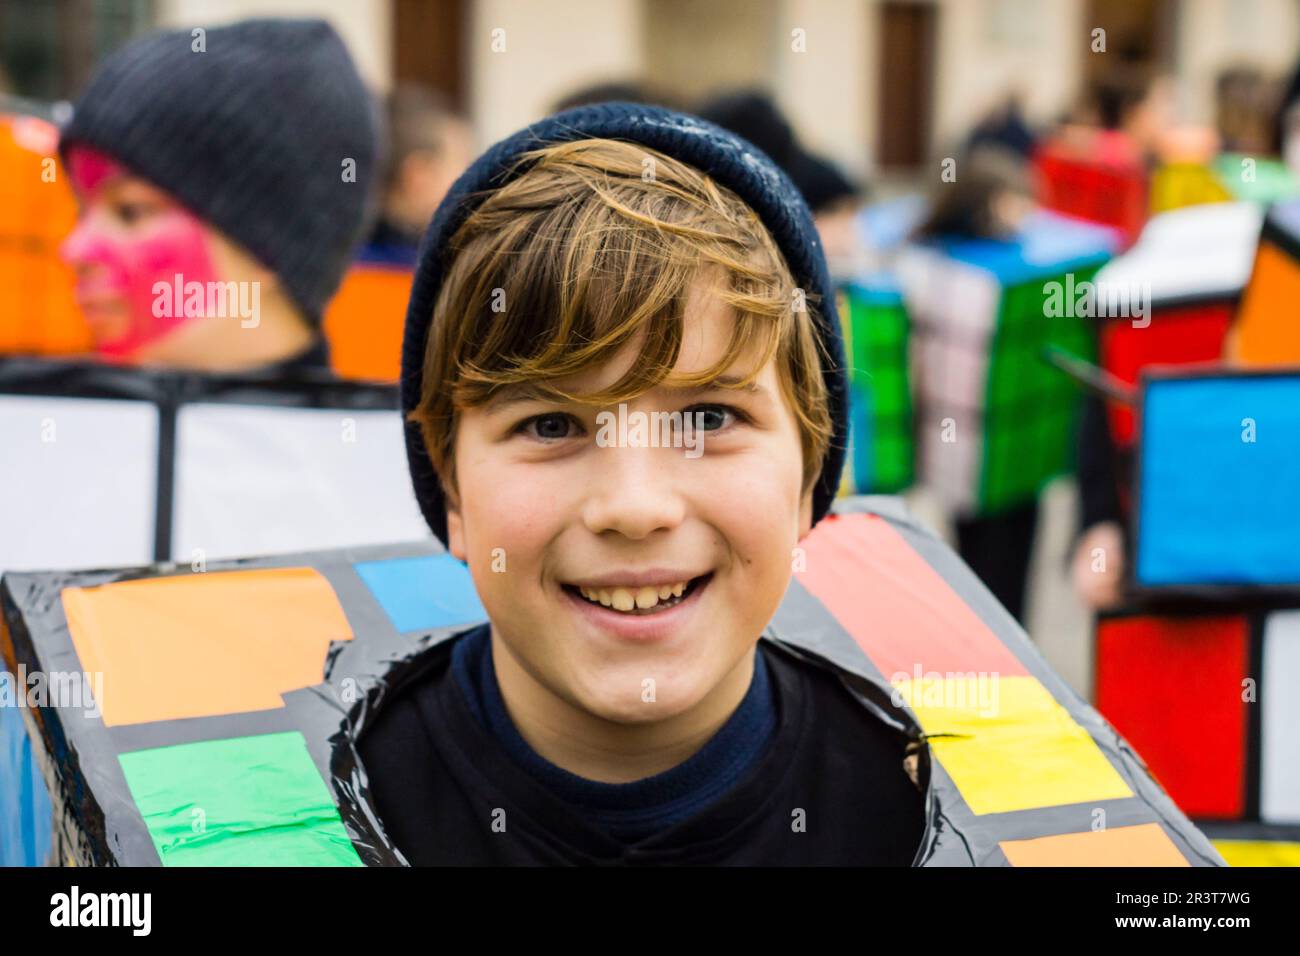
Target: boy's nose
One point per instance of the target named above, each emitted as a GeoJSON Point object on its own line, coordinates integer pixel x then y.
{"type": "Point", "coordinates": [633, 491]}
{"type": "Point", "coordinates": [82, 243]}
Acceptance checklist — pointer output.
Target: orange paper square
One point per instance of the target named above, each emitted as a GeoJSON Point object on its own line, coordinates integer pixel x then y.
{"type": "Point", "coordinates": [1143, 845]}
{"type": "Point", "coordinates": [204, 644]}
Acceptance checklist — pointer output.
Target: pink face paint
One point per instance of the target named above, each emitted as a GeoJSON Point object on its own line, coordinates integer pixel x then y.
{"type": "Point", "coordinates": [89, 168]}
{"type": "Point", "coordinates": [121, 267]}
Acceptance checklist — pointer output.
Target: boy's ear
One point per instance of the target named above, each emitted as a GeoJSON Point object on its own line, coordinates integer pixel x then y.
{"type": "Point", "coordinates": [455, 534]}
{"type": "Point", "coordinates": [805, 513]}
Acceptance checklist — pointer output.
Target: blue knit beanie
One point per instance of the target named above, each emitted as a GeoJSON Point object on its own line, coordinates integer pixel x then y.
{"type": "Point", "coordinates": [251, 134]}
{"type": "Point", "coordinates": [729, 160]}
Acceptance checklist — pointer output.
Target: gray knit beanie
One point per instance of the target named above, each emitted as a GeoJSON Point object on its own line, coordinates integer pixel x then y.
{"type": "Point", "coordinates": [267, 133]}
{"type": "Point", "coordinates": [728, 159]}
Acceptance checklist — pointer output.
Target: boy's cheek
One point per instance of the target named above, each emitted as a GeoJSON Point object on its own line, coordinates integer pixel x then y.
{"type": "Point", "coordinates": [509, 518]}
{"type": "Point", "coordinates": [755, 491]}
{"type": "Point", "coordinates": [765, 519]}
{"type": "Point", "coordinates": [503, 525]}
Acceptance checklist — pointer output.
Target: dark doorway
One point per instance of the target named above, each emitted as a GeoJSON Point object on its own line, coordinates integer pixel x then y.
{"type": "Point", "coordinates": [906, 78]}
{"type": "Point", "coordinates": [429, 45]}
{"type": "Point", "coordinates": [1139, 37]}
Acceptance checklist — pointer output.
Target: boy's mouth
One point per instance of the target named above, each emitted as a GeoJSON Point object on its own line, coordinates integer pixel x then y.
{"type": "Point", "coordinates": [640, 600]}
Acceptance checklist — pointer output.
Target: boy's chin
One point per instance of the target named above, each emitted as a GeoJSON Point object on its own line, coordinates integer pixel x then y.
{"type": "Point", "coordinates": [630, 709]}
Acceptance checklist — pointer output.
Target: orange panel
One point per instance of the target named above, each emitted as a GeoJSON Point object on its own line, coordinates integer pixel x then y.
{"type": "Point", "coordinates": [38, 314]}
{"type": "Point", "coordinates": [364, 322]}
{"type": "Point", "coordinates": [1268, 327]}
{"type": "Point", "coordinates": [1143, 845]}
{"type": "Point", "coordinates": [204, 644]}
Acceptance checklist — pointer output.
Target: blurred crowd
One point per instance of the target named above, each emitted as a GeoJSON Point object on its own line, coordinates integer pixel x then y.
{"type": "Point", "coordinates": [156, 199]}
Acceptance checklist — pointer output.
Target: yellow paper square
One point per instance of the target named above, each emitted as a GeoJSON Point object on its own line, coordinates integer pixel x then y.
{"type": "Point", "coordinates": [1017, 749]}
{"type": "Point", "coordinates": [1258, 852]}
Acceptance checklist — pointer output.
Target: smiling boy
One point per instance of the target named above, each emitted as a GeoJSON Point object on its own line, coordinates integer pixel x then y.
{"type": "Point", "coordinates": [619, 706]}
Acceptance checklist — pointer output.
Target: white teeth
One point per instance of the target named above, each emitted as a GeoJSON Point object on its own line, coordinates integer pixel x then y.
{"type": "Point", "coordinates": [627, 598]}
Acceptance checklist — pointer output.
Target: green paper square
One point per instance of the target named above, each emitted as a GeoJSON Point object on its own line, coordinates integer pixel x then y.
{"type": "Point", "coordinates": [877, 347]}
{"type": "Point", "coordinates": [260, 801]}
{"type": "Point", "coordinates": [1026, 399]}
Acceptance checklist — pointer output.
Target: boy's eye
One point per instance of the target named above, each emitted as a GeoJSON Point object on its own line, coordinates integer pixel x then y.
{"type": "Point", "coordinates": [553, 426]}
{"type": "Point", "coordinates": [558, 426]}
{"type": "Point", "coordinates": [713, 417]}
{"type": "Point", "coordinates": [131, 213]}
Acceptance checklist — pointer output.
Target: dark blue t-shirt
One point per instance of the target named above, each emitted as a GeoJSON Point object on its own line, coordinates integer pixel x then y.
{"type": "Point", "coordinates": [826, 786]}
{"type": "Point", "coordinates": [629, 811]}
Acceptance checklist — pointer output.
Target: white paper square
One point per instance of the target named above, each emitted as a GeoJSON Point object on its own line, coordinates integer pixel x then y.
{"type": "Point", "coordinates": [1279, 759]}
{"type": "Point", "coordinates": [255, 480]}
{"type": "Point", "coordinates": [78, 483]}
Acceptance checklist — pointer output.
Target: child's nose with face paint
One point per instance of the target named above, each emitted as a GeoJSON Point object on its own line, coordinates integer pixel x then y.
{"type": "Point", "coordinates": [130, 236]}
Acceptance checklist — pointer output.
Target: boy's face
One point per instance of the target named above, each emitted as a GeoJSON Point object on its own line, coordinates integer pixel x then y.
{"type": "Point", "coordinates": [129, 237]}
{"type": "Point", "coordinates": [569, 513]}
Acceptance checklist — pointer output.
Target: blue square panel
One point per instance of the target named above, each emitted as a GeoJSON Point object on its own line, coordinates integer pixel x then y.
{"type": "Point", "coordinates": [425, 592]}
{"type": "Point", "coordinates": [1219, 474]}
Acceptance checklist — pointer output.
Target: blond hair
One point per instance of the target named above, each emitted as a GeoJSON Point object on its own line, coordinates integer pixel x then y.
{"type": "Point", "coordinates": [595, 242]}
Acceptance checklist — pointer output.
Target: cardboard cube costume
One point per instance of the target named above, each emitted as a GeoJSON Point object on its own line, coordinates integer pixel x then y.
{"type": "Point", "coordinates": [236, 744]}
{"type": "Point", "coordinates": [994, 419]}
{"type": "Point", "coordinates": [876, 341]}
{"type": "Point", "coordinates": [1099, 184]}
{"type": "Point", "coordinates": [125, 466]}
{"type": "Point", "coordinates": [1172, 296]}
{"type": "Point", "coordinates": [108, 466]}
{"type": "Point", "coordinates": [1206, 649]}
{"type": "Point", "coordinates": [1199, 671]}
{"type": "Point", "coordinates": [1265, 331]}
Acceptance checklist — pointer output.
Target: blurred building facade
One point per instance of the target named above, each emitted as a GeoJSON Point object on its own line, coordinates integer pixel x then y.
{"type": "Point", "coordinates": [872, 83]}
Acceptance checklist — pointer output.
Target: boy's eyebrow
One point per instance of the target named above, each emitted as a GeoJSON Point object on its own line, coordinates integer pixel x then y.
{"type": "Point", "coordinates": [729, 382]}
{"type": "Point", "coordinates": [513, 394]}
{"type": "Point", "coordinates": [527, 392]}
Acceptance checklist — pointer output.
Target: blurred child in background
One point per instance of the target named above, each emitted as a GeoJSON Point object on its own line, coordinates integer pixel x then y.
{"type": "Point", "coordinates": [617, 91]}
{"type": "Point", "coordinates": [1245, 102]}
{"type": "Point", "coordinates": [990, 199]}
{"type": "Point", "coordinates": [833, 198]}
{"type": "Point", "coordinates": [1134, 116]}
{"type": "Point", "coordinates": [1005, 126]}
{"type": "Point", "coordinates": [429, 145]}
{"type": "Point", "coordinates": [222, 191]}
{"type": "Point", "coordinates": [1285, 130]}
{"type": "Point", "coordinates": [1124, 119]}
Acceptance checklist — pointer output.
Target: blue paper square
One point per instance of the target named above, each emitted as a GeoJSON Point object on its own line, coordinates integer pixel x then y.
{"type": "Point", "coordinates": [1219, 473]}
{"type": "Point", "coordinates": [425, 592]}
